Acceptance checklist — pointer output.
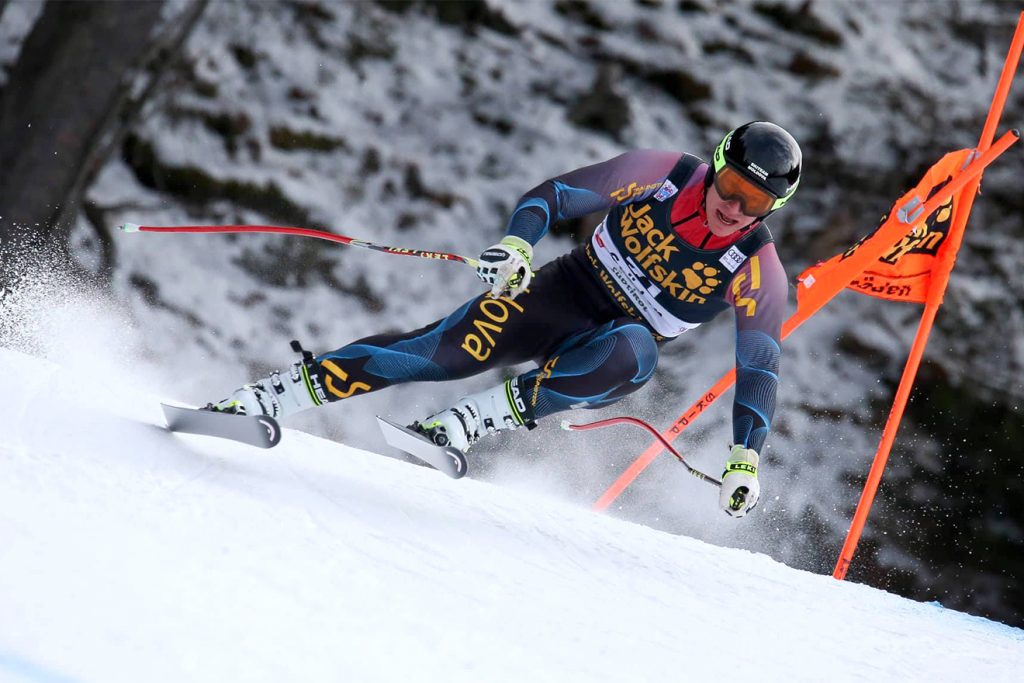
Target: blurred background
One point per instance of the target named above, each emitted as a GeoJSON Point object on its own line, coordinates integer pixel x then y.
{"type": "Point", "coordinates": [419, 123]}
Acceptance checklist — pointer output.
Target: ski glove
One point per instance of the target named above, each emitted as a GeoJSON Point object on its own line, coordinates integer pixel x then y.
{"type": "Point", "coordinates": [740, 489]}
{"type": "Point", "coordinates": [506, 267]}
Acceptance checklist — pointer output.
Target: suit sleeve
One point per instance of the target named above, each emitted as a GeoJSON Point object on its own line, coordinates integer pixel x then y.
{"type": "Point", "coordinates": [759, 297]}
{"type": "Point", "coordinates": [626, 178]}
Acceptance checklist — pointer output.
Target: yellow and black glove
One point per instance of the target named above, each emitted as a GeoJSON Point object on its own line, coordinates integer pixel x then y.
{"type": "Point", "coordinates": [740, 489]}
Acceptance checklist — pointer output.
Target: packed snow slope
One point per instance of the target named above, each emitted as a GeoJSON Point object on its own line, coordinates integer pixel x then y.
{"type": "Point", "coordinates": [420, 123]}
{"type": "Point", "coordinates": [131, 554]}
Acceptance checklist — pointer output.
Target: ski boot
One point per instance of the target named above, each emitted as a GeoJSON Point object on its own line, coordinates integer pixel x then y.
{"type": "Point", "coordinates": [280, 394]}
{"type": "Point", "coordinates": [474, 416]}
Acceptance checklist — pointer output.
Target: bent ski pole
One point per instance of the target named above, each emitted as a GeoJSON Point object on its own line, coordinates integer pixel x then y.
{"type": "Point", "coordinates": [640, 423]}
{"type": "Point", "coordinates": [302, 232]}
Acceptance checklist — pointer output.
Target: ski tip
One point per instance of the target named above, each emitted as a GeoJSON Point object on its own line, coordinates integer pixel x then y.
{"type": "Point", "coordinates": [458, 462]}
{"type": "Point", "coordinates": [273, 430]}
{"type": "Point", "coordinates": [129, 227]}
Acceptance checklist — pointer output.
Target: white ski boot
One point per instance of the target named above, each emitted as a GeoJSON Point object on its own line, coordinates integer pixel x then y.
{"type": "Point", "coordinates": [280, 394]}
{"type": "Point", "coordinates": [473, 416]}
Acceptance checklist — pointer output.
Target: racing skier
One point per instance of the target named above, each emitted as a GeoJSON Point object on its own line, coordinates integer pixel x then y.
{"type": "Point", "coordinates": [682, 241]}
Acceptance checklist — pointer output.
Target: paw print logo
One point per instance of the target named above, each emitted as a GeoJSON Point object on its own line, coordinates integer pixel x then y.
{"type": "Point", "coordinates": [701, 278]}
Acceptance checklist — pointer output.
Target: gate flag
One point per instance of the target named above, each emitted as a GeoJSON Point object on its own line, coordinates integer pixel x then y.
{"type": "Point", "coordinates": [903, 273]}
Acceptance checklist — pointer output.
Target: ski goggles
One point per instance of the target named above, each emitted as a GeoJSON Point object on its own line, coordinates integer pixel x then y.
{"type": "Point", "coordinates": [754, 200]}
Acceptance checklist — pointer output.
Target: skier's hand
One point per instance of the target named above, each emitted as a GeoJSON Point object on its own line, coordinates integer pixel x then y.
{"type": "Point", "coordinates": [506, 267]}
{"type": "Point", "coordinates": [740, 489]}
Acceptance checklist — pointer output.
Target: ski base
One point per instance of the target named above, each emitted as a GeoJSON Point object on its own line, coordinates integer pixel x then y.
{"type": "Point", "coordinates": [449, 460]}
{"type": "Point", "coordinates": [256, 430]}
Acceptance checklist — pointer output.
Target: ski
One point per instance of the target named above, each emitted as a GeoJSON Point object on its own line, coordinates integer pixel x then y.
{"type": "Point", "coordinates": [444, 458]}
{"type": "Point", "coordinates": [256, 430]}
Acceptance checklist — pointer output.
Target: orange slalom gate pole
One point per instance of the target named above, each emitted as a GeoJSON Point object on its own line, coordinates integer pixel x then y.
{"type": "Point", "coordinates": [892, 425]}
{"type": "Point", "coordinates": [936, 294]}
{"type": "Point", "coordinates": [813, 300]}
{"type": "Point", "coordinates": [995, 111]}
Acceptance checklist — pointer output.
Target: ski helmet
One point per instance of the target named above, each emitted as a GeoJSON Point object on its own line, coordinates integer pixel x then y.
{"type": "Point", "coordinates": [759, 165]}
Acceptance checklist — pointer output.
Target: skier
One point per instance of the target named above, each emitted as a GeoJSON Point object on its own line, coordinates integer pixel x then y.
{"type": "Point", "coordinates": [681, 242]}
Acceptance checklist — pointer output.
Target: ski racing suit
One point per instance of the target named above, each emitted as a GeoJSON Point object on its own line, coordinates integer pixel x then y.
{"type": "Point", "coordinates": [594, 318]}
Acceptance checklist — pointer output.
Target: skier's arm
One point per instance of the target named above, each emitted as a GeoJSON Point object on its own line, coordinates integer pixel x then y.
{"type": "Point", "coordinates": [506, 266]}
{"type": "Point", "coordinates": [758, 295]}
{"type": "Point", "coordinates": [626, 178]}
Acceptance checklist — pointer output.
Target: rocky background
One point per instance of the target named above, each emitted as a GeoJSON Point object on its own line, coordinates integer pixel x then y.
{"type": "Point", "coordinates": [420, 123]}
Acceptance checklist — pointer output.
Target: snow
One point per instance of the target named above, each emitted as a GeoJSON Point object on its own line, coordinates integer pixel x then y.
{"type": "Point", "coordinates": [129, 553]}
{"type": "Point", "coordinates": [201, 324]}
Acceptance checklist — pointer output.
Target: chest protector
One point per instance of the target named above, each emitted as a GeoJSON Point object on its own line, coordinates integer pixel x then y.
{"type": "Point", "coordinates": [659, 277]}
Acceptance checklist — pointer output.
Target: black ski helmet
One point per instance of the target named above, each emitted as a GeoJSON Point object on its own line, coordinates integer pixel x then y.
{"type": "Point", "coordinates": [765, 154]}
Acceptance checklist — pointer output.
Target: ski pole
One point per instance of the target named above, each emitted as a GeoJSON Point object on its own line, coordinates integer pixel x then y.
{"type": "Point", "coordinates": [640, 423]}
{"type": "Point", "coordinates": [302, 232]}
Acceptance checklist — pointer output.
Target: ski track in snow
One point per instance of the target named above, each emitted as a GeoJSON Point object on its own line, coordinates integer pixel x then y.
{"type": "Point", "coordinates": [132, 554]}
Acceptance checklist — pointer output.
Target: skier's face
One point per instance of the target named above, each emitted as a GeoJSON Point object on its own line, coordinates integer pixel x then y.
{"type": "Point", "coordinates": [725, 217]}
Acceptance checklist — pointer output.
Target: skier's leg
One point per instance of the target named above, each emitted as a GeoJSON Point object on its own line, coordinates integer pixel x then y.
{"type": "Point", "coordinates": [474, 338]}
{"type": "Point", "coordinates": [590, 370]}
{"type": "Point", "coordinates": [593, 369]}
{"type": "Point", "coordinates": [480, 335]}
{"type": "Point", "coordinates": [483, 333]}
